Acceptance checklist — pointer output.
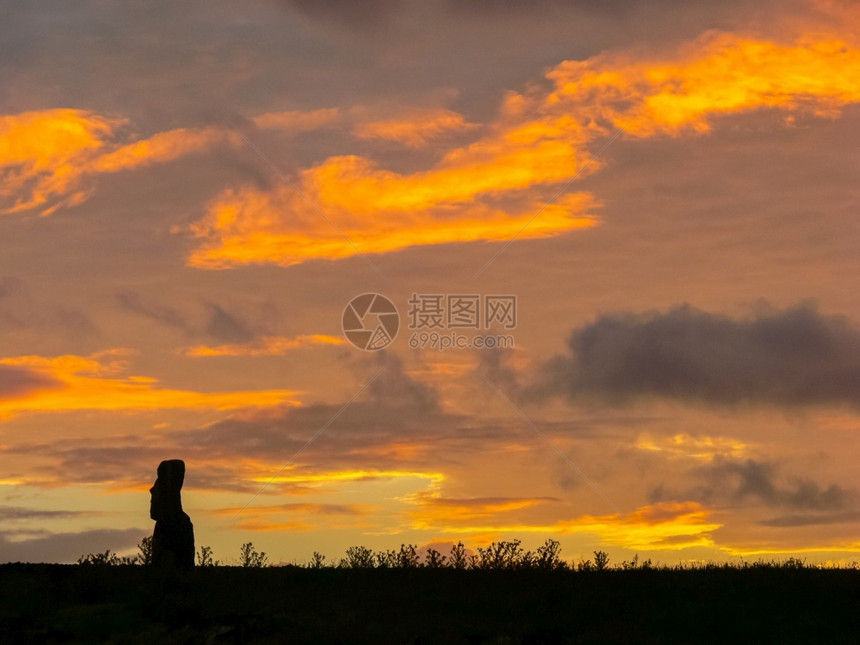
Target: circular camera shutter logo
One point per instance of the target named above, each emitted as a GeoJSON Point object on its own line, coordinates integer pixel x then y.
{"type": "Point", "coordinates": [370, 321]}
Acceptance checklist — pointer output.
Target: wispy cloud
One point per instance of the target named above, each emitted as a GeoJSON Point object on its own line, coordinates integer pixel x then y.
{"type": "Point", "coordinates": [685, 446]}
{"type": "Point", "coordinates": [67, 383]}
{"type": "Point", "coordinates": [267, 346]}
{"type": "Point", "coordinates": [295, 120]}
{"type": "Point", "coordinates": [249, 226]}
{"type": "Point", "coordinates": [415, 130]}
{"type": "Point", "coordinates": [718, 74]}
{"type": "Point", "coordinates": [45, 156]}
{"type": "Point", "coordinates": [433, 509]}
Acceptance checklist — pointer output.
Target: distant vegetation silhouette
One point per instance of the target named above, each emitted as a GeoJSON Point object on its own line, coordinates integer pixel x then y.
{"type": "Point", "coordinates": [501, 593]}
{"type": "Point", "coordinates": [502, 555]}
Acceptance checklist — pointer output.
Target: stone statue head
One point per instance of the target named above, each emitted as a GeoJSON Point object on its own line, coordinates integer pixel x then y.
{"type": "Point", "coordinates": [165, 492]}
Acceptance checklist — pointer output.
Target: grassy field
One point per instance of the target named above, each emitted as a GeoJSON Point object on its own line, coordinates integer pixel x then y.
{"type": "Point", "coordinates": [133, 604]}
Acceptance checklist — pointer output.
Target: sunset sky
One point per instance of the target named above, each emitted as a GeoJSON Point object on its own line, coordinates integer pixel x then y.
{"type": "Point", "coordinates": [191, 193]}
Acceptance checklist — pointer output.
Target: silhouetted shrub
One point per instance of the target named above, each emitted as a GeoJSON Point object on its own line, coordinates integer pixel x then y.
{"type": "Point", "coordinates": [549, 556]}
{"type": "Point", "coordinates": [108, 558]}
{"type": "Point", "coordinates": [357, 557]}
{"type": "Point", "coordinates": [407, 557]}
{"type": "Point", "coordinates": [630, 564]}
{"type": "Point", "coordinates": [144, 547]}
{"type": "Point", "coordinates": [601, 560]}
{"type": "Point", "coordinates": [501, 555]}
{"type": "Point", "coordinates": [249, 557]}
{"type": "Point", "coordinates": [317, 561]}
{"type": "Point", "coordinates": [584, 565]}
{"type": "Point", "coordinates": [386, 559]}
{"type": "Point", "coordinates": [204, 557]}
{"type": "Point", "coordinates": [458, 558]}
{"type": "Point", "coordinates": [434, 559]}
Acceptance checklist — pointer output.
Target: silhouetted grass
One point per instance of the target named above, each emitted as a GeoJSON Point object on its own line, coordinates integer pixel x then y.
{"type": "Point", "coordinates": [760, 603]}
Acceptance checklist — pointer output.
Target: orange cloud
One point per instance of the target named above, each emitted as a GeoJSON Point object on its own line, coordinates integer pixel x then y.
{"type": "Point", "coordinates": [415, 130]}
{"type": "Point", "coordinates": [91, 383]}
{"type": "Point", "coordinates": [718, 74]}
{"type": "Point", "coordinates": [336, 516]}
{"type": "Point", "coordinates": [268, 346]}
{"type": "Point", "coordinates": [40, 151]}
{"type": "Point", "coordinates": [248, 226]}
{"type": "Point", "coordinates": [539, 139]}
{"type": "Point", "coordinates": [161, 147]}
{"type": "Point", "coordinates": [433, 508]}
{"type": "Point", "coordinates": [301, 508]}
{"type": "Point", "coordinates": [295, 121]}
{"type": "Point", "coordinates": [686, 446]}
{"type": "Point", "coordinates": [292, 476]}
{"type": "Point", "coordinates": [771, 549]}
{"type": "Point", "coordinates": [396, 450]}
{"type": "Point", "coordinates": [261, 525]}
{"type": "Point", "coordinates": [44, 156]}
{"type": "Point", "coordinates": [671, 525]}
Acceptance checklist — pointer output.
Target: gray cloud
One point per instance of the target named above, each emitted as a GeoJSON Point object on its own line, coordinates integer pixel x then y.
{"type": "Point", "coordinates": [19, 381]}
{"type": "Point", "coordinates": [791, 521]}
{"type": "Point", "coordinates": [67, 547]}
{"type": "Point", "coordinates": [738, 481]}
{"type": "Point", "coordinates": [11, 513]}
{"type": "Point", "coordinates": [393, 386]}
{"type": "Point", "coordinates": [215, 321]}
{"type": "Point", "coordinates": [495, 366]}
{"type": "Point", "coordinates": [788, 357]}
{"type": "Point", "coordinates": [169, 316]}
{"type": "Point", "coordinates": [20, 309]}
{"type": "Point", "coordinates": [226, 327]}
{"type": "Point", "coordinates": [755, 479]}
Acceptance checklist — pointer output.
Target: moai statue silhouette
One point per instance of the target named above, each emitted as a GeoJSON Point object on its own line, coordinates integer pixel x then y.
{"type": "Point", "coordinates": [173, 538]}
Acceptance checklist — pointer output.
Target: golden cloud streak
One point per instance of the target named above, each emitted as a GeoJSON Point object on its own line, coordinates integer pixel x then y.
{"type": "Point", "coordinates": [268, 346]}
{"type": "Point", "coordinates": [842, 547]}
{"type": "Point", "coordinates": [295, 121]}
{"type": "Point", "coordinates": [349, 475]}
{"type": "Point", "coordinates": [307, 508]}
{"type": "Point", "coordinates": [261, 525]}
{"type": "Point", "coordinates": [40, 152]}
{"type": "Point", "coordinates": [248, 227]}
{"type": "Point", "coordinates": [686, 446]}
{"type": "Point", "coordinates": [45, 156]}
{"type": "Point", "coordinates": [718, 74]}
{"type": "Point", "coordinates": [662, 526]}
{"type": "Point", "coordinates": [415, 130]}
{"type": "Point", "coordinates": [433, 508]}
{"type": "Point", "coordinates": [82, 383]}
{"type": "Point", "coordinates": [159, 148]}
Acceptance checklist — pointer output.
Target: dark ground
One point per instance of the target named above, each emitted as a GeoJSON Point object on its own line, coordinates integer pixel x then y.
{"type": "Point", "coordinates": [130, 604]}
